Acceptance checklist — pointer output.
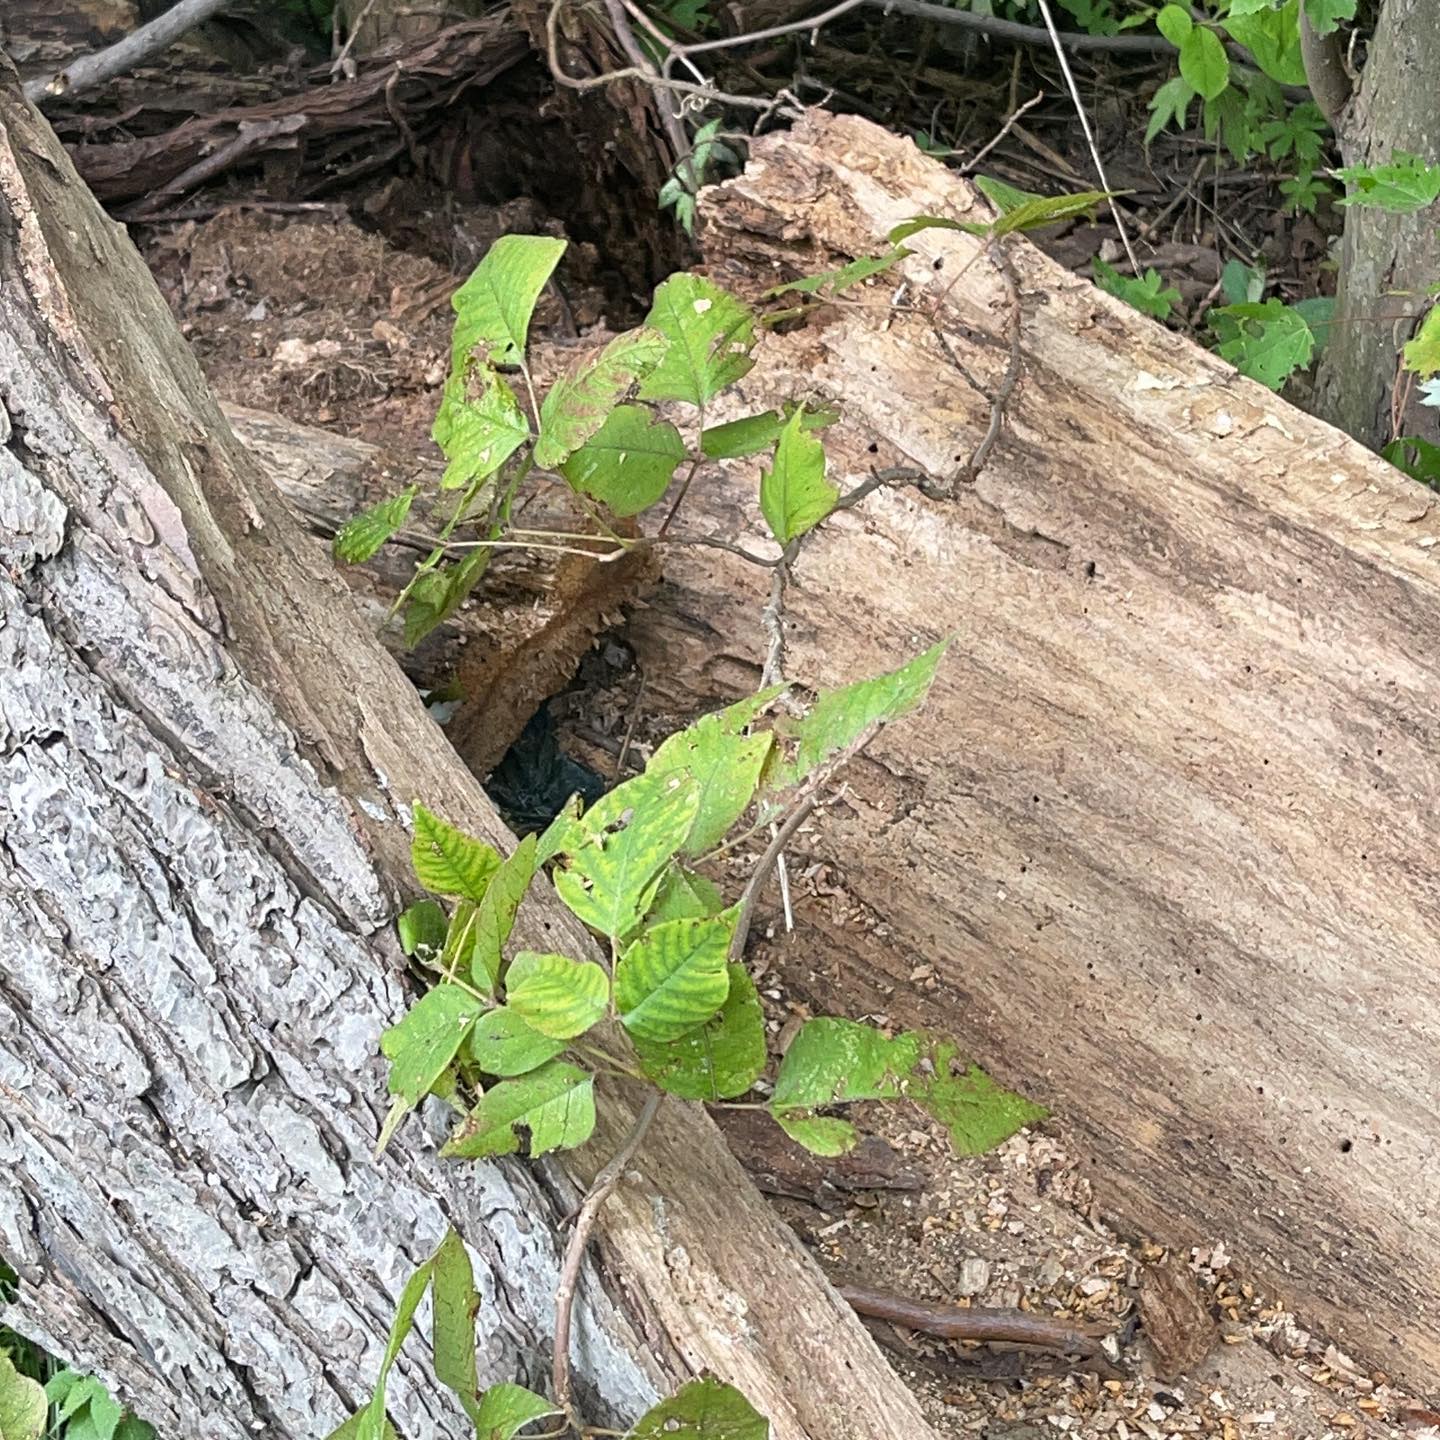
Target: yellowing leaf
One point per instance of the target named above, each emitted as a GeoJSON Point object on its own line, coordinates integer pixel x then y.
{"type": "Point", "coordinates": [427, 1038]}
{"type": "Point", "coordinates": [580, 402]}
{"type": "Point", "coordinates": [447, 861]}
{"type": "Point", "coordinates": [358, 539]}
{"type": "Point", "coordinates": [710, 335]}
{"type": "Point", "coordinates": [554, 1104]}
{"type": "Point", "coordinates": [555, 995]}
{"type": "Point", "coordinates": [674, 977]}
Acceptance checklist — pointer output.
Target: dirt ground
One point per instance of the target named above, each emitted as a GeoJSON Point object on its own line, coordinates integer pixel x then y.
{"type": "Point", "coordinates": [317, 319]}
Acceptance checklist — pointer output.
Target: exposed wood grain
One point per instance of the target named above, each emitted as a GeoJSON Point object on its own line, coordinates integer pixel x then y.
{"type": "Point", "coordinates": [1166, 828]}
{"type": "Point", "coordinates": [204, 782]}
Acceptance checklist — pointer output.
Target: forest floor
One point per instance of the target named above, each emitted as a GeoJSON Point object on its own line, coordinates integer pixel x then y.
{"type": "Point", "coordinates": [331, 325]}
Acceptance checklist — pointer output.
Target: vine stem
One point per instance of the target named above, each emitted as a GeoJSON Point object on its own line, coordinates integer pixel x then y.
{"type": "Point", "coordinates": [599, 1192]}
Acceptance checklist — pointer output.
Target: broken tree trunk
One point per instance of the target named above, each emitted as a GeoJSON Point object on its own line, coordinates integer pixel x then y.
{"type": "Point", "coordinates": [204, 782]}
{"type": "Point", "coordinates": [1165, 828]}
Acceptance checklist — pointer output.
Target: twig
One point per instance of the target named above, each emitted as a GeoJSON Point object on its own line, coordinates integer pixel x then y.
{"type": "Point", "coordinates": [91, 70]}
{"type": "Point", "coordinates": [620, 22]}
{"type": "Point", "coordinates": [893, 475]}
{"type": "Point", "coordinates": [996, 252]}
{"type": "Point", "coordinates": [337, 65]}
{"type": "Point", "coordinates": [1000, 29]}
{"type": "Point", "coordinates": [585, 1218]}
{"type": "Point", "coordinates": [1085, 126]}
{"type": "Point", "coordinates": [772, 621]}
{"type": "Point", "coordinates": [969, 166]}
{"type": "Point", "coordinates": [630, 729]}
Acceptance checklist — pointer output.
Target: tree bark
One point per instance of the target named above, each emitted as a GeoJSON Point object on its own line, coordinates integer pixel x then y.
{"type": "Point", "coordinates": [1388, 263]}
{"type": "Point", "coordinates": [204, 784]}
{"type": "Point", "coordinates": [1158, 847]}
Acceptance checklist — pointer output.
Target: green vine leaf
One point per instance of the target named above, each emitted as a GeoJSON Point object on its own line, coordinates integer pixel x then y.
{"type": "Point", "coordinates": [738, 439]}
{"type": "Point", "coordinates": [1326, 16]}
{"type": "Point", "coordinates": [456, 1304]}
{"type": "Point", "coordinates": [819, 1134]}
{"type": "Point", "coordinates": [917, 223]}
{"type": "Point", "coordinates": [495, 915]}
{"type": "Point", "coordinates": [830, 283]}
{"type": "Point", "coordinates": [1204, 63]}
{"type": "Point", "coordinates": [555, 1104]}
{"type": "Point", "coordinates": [359, 538]}
{"type": "Point", "coordinates": [24, 1412]}
{"type": "Point", "coordinates": [675, 976]}
{"type": "Point", "coordinates": [795, 496]}
{"type": "Point", "coordinates": [711, 335]}
{"type": "Point", "coordinates": [504, 1044]}
{"type": "Point", "coordinates": [447, 861]}
{"type": "Point", "coordinates": [478, 426]}
{"type": "Point", "coordinates": [1169, 105]}
{"type": "Point", "coordinates": [436, 595]}
{"type": "Point", "coordinates": [1048, 210]}
{"type": "Point", "coordinates": [1175, 24]}
{"type": "Point", "coordinates": [628, 463]}
{"type": "Point", "coordinates": [1267, 341]}
{"type": "Point", "coordinates": [1272, 36]}
{"type": "Point", "coordinates": [684, 895]}
{"type": "Point", "coordinates": [557, 996]}
{"type": "Point", "coordinates": [423, 1044]}
{"type": "Point", "coordinates": [1146, 295]}
{"type": "Point", "coordinates": [720, 1060]}
{"type": "Point", "coordinates": [505, 1409]}
{"type": "Point", "coordinates": [370, 1423]}
{"type": "Point", "coordinates": [422, 929]}
{"type": "Point", "coordinates": [978, 1113]}
{"type": "Point", "coordinates": [580, 402]}
{"type": "Point", "coordinates": [1422, 354]}
{"type": "Point", "coordinates": [616, 852]}
{"type": "Point", "coordinates": [702, 1410]}
{"type": "Point", "coordinates": [493, 307]}
{"type": "Point", "coordinates": [1403, 186]}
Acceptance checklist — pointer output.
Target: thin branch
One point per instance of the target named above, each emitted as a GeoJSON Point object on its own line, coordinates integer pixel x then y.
{"type": "Point", "coordinates": [971, 164]}
{"type": "Point", "coordinates": [620, 22]}
{"type": "Point", "coordinates": [600, 1190]}
{"type": "Point", "coordinates": [1000, 29]}
{"type": "Point", "coordinates": [1013, 366]}
{"type": "Point", "coordinates": [91, 70]}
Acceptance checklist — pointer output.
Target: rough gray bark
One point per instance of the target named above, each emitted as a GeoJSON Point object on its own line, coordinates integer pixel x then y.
{"type": "Point", "coordinates": [1165, 827]}
{"type": "Point", "coordinates": [206, 764]}
{"type": "Point", "coordinates": [1388, 263]}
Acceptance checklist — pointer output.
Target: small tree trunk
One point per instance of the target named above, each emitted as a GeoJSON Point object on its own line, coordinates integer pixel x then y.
{"type": "Point", "coordinates": [1388, 262]}
{"type": "Point", "coordinates": [206, 768]}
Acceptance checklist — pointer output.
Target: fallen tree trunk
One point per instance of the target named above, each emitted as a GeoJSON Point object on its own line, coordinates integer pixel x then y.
{"type": "Point", "coordinates": [1164, 830]}
{"type": "Point", "coordinates": [204, 784]}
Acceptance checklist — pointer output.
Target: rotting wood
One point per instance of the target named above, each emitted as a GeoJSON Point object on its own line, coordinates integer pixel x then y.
{"type": "Point", "coordinates": [204, 780]}
{"type": "Point", "coordinates": [1164, 829]}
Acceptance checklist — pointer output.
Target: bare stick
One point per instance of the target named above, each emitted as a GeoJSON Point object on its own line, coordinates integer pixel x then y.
{"type": "Point", "coordinates": [585, 1218]}
{"type": "Point", "coordinates": [91, 70]}
{"type": "Point", "coordinates": [1085, 126]}
{"type": "Point", "coordinates": [970, 165]}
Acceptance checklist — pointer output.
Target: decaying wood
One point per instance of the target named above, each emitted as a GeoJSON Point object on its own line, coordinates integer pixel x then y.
{"type": "Point", "coordinates": [1165, 828]}
{"type": "Point", "coordinates": [533, 616]}
{"type": "Point", "coordinates": [332, 128]}
{"type": "Point", "coordinates": [204, 782]}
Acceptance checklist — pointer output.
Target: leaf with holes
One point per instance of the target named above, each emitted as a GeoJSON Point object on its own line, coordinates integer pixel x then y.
{"type": "Point", "coordinates": [618, 849]}
{"type": "Point", "coordinates": [429, 1035]}
{"type": "Point", "coordinates": [795, 496]}
{"type": "Point", "coordinates": [555, 1104]}
{"type": "Point", "coordinates": [555, 995]}
{"type": "Point", "coordinates": [674, 977]}
{"type": "Point", "coordinates": [359, 538]}
{"type": "Point", "coordinates": [495, 915]}
{"type": "Point", "coordinates": [710, 334]}
{"type": "Point", "coordinates": [505, 1408]}
{"type": "Point", "coordinates": [580, 402]}
{"type": "Point", "coordinates": [819, 1134]}
{"type": "Point", "coordinates": [493, 307]}
{"type": "Point", "coordinates": [702, 1410]}
{"type": "Point", "coordinates": [479, 426]}
{"type": "Point", "coordinates": [627, 464]}
{"type": "Point", "coordinates": [447, 861]}
{"type": "Point", "coordinates": [504, 1044]}
{"type": "Point", "coordinates": [721, 1059]}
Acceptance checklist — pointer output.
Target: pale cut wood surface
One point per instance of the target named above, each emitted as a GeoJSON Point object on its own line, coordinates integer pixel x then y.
{"type": "Point", "coordinates": [1167, 826]}
{"type": "Point", "coordinates": [205, 777]}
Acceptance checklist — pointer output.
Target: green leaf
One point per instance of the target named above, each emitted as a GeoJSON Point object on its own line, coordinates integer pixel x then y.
{"type": "Point", "coordinates": [1048, 210]}
{"type": "Point", "coordinates": [1002, 196]}
{"type": "Point", "coordinates": [831, 1061]}
{"type": "Point", "coordinates": [720, 1060]}
{"type": "Point", "coordinates": [725, 765]}
{"type": "Point", "coordinates": [495, 915]}
{"type": "Point", "coordinates": [917, 223]}
{"type": "Point", "coordinates": [350, 1430]}
{"type": "Point", "coordinates": [832, 282]}
{"type": "Point", "coordinates": [493, 307]}
{"type": "Point", "coordinates": [1419, 459]}
{"type": "Point", "coordinates": [1203, 62]}
{"type": "Point", "coordinates": [1318, 312]}
{"type": "Point", "coordinates": [555, 1104]}
{"type": "Point", "coordinates": [795, 496]}
{"type": "Point", "coordinates": [371, 1423]}
{"type": "Point", "coordinates": [438, 594]}
{"type": "Point", "coordinates": [628, 462]}
{"type": "Point", "coordinates": [479, 426]}
{"type": "Point", "coordinates": [820, 1134]}
{"type": "Point", "coordinates": [134, 1429]}
{"type": "Point", "coordinates": [503, 1044]}
{"type": "Point", "coordinates": [76, 1395]}
{"type": "Point", "coordinates": [504, 1409]}
{"type": "Point", "coordinates": [619, 847]}
{"type": "Point", "coordinates": [1241, 284]}
{"type": "Point", "coordinates": [423, 927]}
{"type": "Point", "coordinates": [684, 895]}
{"type": "Point", "coordinates": [1146, 294]}
{"type": "Point", "coordinates": [1268, 341]}
{"type": "Point", "coordinates": [702, 1410]}
{"type": "Point", "coordinates": [428, 1037]}
{"type": "Point", "coordinates": [557, 996]}
{"type": "Point", "coordinates": [1403, 186]}
{"type": "Point", "coordinates": [359, 538]}
{"type": "Point", "coordinates": [1326, 16]}
{"type": "Point", "coordinates": [711, 334]}
{"type": "Point", "coordinates": [738, 439]}
{"type": "Point", "coordinates": [453, 1322]}
{"type": "Point", "coordinates": [580, 402]}
{"type": "Point", "coordinates": [1175, 24]}
{"type": "Point", "coordinates": [23, 1410]}
{"type": "Point", "coordinates": [839, 717]}
{"type": "Point", "coordinates": [978, 1113]}
{"type": "Point", "coordinates": [447, 861]}
{"type": "Point", "coordinates": [105, 1414]}
{"type": "Point", "coordinates": [674, 977]}
{"type": "Point", "coordinates": [1272, 36]}
{"type": "Point", "coordinates": [1168, 106]}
